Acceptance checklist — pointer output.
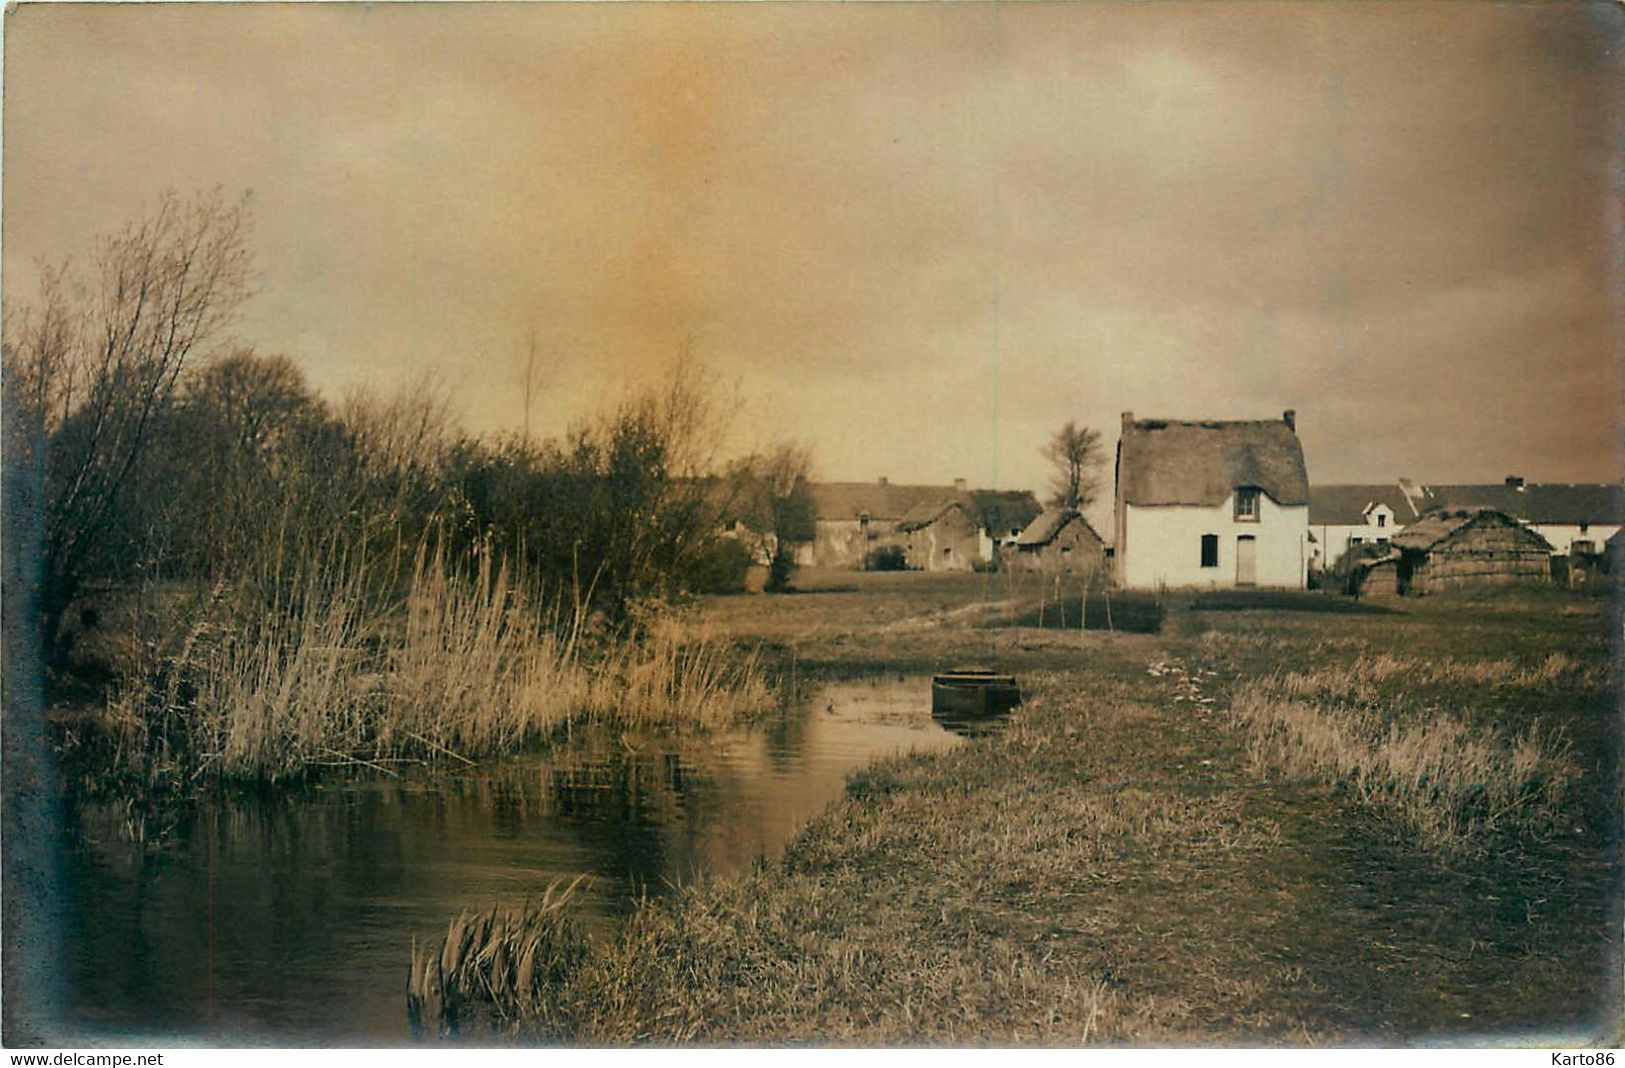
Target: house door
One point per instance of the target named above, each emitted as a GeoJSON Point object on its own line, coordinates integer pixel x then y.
{"type": "Point", "coordinates": [1246, 560]}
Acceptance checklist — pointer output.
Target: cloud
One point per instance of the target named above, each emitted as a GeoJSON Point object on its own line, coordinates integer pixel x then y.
{"type": "Point", "coordinates": [919, 237]}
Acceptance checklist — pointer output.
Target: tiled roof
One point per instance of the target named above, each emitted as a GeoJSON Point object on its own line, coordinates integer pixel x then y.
{"type": "Point", "coordinates": [1567, 503]}
{"type": "Point", "coordinates": [1347, 505]}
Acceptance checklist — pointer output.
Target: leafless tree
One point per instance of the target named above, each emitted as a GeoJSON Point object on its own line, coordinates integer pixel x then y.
{"type": "Point", "coordinates": [96, 362]}
{"type": "Point", "coordinates": [1075, 451]}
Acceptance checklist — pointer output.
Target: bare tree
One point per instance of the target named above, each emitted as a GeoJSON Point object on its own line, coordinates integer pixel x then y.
{"type": "Point", "coordinates": [97, 360]}
{"type": "Point", "coordinates": [1075, 452]}
{"type": "Point", "coordinates": [776, 503]}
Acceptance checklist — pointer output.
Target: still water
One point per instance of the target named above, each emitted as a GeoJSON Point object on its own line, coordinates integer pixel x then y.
{"type": "Point", "coordinates": [290, 920]}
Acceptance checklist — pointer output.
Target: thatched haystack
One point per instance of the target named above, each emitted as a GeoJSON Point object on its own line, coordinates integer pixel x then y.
{"type": "Point", "coordinates": [1482, 547]}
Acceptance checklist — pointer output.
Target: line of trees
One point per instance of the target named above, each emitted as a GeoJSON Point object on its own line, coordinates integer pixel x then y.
{"type": "Point", "coordinates": [163, 451]}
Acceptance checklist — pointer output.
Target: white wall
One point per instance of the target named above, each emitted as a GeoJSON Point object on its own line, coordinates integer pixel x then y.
{"type": "Point", "coordinates": [1563, 535]}
{"type": "Point", "coordinates": [1162, 545]}
{"type": "Point", "coordinates": [1334, 539]}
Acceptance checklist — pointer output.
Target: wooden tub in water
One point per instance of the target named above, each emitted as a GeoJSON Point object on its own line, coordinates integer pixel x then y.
{"type": "Point", "coordinates": [973, 693]}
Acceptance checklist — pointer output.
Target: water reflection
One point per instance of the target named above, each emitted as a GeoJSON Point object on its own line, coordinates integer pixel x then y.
{"type": "Point", "coordinates": [289, 918]}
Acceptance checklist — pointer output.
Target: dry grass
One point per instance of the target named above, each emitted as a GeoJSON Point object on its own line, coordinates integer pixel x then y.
{"type": "Point", "coordinates": [1363, 678]}
{"type": "Point", "coordinates": [461, 666]}
{"type": "Point", "coordinates": [1447, 781]}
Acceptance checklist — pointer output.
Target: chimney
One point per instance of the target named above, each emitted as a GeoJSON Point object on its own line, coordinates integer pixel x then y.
{"type": "Point", "coordinates": [959, 485]}
{"type": "Point", "coordinates": [1128, 417]}
{"type": "Point", "coordinates": [1290, 418]}
{"type": "Point", "coordinates": [1515, 482]}
{"type": "Point", "coordinates": [883, 480]}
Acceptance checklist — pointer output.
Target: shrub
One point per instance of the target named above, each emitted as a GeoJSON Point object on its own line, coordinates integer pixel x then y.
{"type": "Point", "coordinates": [721, 567]}
{"type": "Point", "coordinates": [887, 558]}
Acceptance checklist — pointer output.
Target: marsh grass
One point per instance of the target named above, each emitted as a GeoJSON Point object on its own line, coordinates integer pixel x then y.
{"type": "Point", "coordinates": [504, 963]}
{"type": "Point", "coordinates": [1364, 678]}
{"type": "Point", "coordinates": [466, 663]}
{"type": "Point", "coordinates": [1449, 781]}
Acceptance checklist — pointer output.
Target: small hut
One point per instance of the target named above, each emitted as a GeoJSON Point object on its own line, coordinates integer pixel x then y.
{"type": "Point", "coordinates": [1375, 576]}
{"type": "Point", "coordinates": [1467, 548]}
{"type": "Point", "coordinates": [1059, 541]}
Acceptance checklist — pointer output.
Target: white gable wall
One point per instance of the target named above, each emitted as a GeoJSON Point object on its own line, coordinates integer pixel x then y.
{"type": "Point", "coordinates": [1161, 545]}
{"type": "Point", "coordinates": [1332, 540]}
{"type": "Point", "coordinates": [1562, 536]}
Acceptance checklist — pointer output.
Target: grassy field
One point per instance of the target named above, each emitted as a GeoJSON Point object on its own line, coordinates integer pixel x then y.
{"type": "Point", "coordinates": [1259, 825]}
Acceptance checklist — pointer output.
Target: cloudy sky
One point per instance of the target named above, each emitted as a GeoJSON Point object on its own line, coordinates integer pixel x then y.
{"type": "Point", "coordinates": [917, 238]}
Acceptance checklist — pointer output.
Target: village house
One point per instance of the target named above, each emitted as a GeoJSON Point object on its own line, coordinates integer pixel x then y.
{"type": "Point", "coordinates": [1059, 542]}
{"type": "Point", "coordinates": [944, 536]}
{"type": "Point", "coordinates": [1210, 503]}
{"type": "Point", "coordinates": [1575, 519]}
{"type": "Point", "coordinates": [854, 519]}
{"type": "Point", "coordinates": [1450, 550]}
{"type": "Point", "coordinates": [1344, 516]}
{"type": "Point", "coordinates": [851, 520]}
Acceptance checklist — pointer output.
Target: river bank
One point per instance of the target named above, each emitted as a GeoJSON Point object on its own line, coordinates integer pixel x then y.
{"type": "Point", "coordinates": [1122, 864]}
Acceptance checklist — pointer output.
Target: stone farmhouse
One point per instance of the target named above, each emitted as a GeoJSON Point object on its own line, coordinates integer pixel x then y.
{"type": "Point", "coordinates": [944, 536]}
{"type": "Point", "coordinates": [1210, 503]}
{"type": "Point", "coordinates": [1059, 542]}
{"type": "Point", "coordinates": [854, 519]}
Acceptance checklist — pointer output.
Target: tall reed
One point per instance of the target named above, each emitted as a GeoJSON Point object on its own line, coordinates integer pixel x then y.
{"type": "Point", "coordinates": [504, 962]}
{"type": "Point", "coordinates": [467, 661]}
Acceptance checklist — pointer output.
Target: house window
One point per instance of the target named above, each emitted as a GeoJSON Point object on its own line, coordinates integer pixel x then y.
{"type": "Point", "coordinates": [1246, 504]}
{"type": "Point", "coordinates": [1382, 519]}
{"type": "Point", "coordinates": [1582, 547]}
{"type": "Point", "coordinates": [1210, 550]}
{"type": "Point", "coordinates": [1356, 540]}
{"type": "Point", "coordinates": [1382, 541]}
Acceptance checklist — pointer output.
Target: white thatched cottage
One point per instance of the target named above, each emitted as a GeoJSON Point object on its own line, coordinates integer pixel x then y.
{"type": "Point", "coordinates": [1211, 503]}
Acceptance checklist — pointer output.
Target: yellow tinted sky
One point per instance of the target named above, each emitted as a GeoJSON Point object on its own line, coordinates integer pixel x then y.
{"type": "Point", "coordinates": [917, 237]}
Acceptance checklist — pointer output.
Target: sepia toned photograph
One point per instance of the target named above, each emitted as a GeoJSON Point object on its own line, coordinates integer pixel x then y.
{"type": "Point", "coordinates": [786, 524]}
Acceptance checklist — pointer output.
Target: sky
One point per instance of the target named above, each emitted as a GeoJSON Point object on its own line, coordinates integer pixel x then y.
{"type": "Point", "coordinates": [915, 238]}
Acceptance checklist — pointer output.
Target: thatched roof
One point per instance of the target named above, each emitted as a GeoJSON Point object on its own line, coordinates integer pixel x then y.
{"type": "Point", "coordinates": [1003, 510]}
{"type": "Point", "coordinates": [1369, 562]}
{"type": "Point", "coordinates": [921, 516]}
{"type": "Point", "coordinates": [1428, 533]}
{"type": "Point", "coordinates": [1348, 505]}
{"type": "Point", "coordinates": [1566, 503]}
{"type": "Point", "coordinates": [1166, 462]}
{"type": "Point", "coordinates": [995, 510]}
{"type": "Point", "coordinates": [881, 501]}
{"type": "Point", "coordinates": [1049, 524]}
